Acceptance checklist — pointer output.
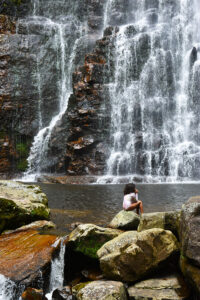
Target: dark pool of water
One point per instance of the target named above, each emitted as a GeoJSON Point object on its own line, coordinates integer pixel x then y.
{"type": "Point", "coordinates": [99, 203]}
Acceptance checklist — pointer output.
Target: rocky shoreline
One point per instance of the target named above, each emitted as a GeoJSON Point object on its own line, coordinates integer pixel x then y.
{"type": "Point", "coordinates": [155, 256]}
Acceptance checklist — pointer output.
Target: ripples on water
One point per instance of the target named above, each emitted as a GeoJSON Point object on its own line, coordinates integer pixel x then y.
{"type": "Point", "coordinates": [99, 203]}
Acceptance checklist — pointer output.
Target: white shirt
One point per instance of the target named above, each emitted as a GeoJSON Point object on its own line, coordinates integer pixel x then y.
{"type": "Point", "coordinates": [129, 199]}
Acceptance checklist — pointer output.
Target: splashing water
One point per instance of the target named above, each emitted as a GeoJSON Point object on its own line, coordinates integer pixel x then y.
{"type": "Point", "coordinates": [7, 288]}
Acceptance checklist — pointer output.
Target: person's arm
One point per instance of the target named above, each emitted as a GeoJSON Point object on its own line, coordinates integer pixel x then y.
{"type": "Point", "coordinates": [133, 206]}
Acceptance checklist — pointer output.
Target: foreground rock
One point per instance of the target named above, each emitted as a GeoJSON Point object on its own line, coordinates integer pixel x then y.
{"type": "Point", "coordinates": [37, 225]}
{"type": "Point", "coordinates": [26, 255]}
{"type": "Point", "coordinates": [21, 204]}
{"type": "Point", "coordinates": [89, 238]}
{"type": "Point", "coordinates": [64, 293]}
{"type": "Point", "coordinates": [103, 290]}
{"type": "Point", "coordinates": [192, 273]}
{"type": "Point", "coordinates": [132, 255]}
{"type": "Point", "coordinates": [164, 220]}
{"type": "Point", "coordinates": [125, 220]}
{"type": "Point", "coordinates": [190, 228]}
{"type": "Point", "coordinates": [161, 288]}
{"type": "Point", "coordinates": [33, 294]}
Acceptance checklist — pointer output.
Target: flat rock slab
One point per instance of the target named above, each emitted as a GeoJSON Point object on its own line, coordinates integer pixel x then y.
{"type": "Point", "coordinates": [21, 204]}
{"type": "Point", "coordinates": [23, 254]}
{"type": "Point", "coordinates": [125, 220]}
{"type": "Point", "coordinates": [89, 238]}
{"type": "Point", "coordinates": [103, 290]}
{"type": "Point", "coordinates": [133, 255]}
{"type": "Point", "coordinates": [171, 287]}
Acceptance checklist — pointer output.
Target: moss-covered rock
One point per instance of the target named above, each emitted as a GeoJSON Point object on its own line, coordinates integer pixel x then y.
{"type": "Point", "coordinates": [132, 255]}
{"type": "Point", "coordinates": [125, 220]}
{"type": "Point", "coordinates": [89, 238]}
{"type": "Point", "coordinates": [21, 204]}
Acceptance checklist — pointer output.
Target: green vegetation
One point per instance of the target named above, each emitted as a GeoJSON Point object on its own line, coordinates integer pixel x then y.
{"type": "Point", "coordinates": [22, 149]}
{"type": "Point", "coordinates": [22, 165]}
{"type": "Point", "coordinates": [89, 247]}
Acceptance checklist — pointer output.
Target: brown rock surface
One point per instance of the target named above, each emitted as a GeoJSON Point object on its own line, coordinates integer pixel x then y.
{"type": "Point", "coordinates": [32, 294]}
{"type": "Point", "coordinates": [23, 254]}
{"type": "Point", "coordinates": [190, 228]}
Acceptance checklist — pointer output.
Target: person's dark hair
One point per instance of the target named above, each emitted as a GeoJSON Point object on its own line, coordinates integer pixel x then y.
{"type": "Point", "coordinates": [129, 188]}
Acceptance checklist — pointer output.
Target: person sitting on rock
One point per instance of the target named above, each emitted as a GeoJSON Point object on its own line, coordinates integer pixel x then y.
{"type": "Point", "coordinates": [131, 201]}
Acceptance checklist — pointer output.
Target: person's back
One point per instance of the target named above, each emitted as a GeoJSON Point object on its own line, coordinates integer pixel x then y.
{"type": "Point", "coordinates": [131, 201]}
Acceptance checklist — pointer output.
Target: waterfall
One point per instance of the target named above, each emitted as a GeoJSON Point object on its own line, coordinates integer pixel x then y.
{"type": "Point", "coordinates": [155, 95]}
{"type": "Point", "coordinates": [66, 46]}
{"type": "Point", "coordinates": [7, 288]}
{"type": "Point", "coordinates": [57, 271]}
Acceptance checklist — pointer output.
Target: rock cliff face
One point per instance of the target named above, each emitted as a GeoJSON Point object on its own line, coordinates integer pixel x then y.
{"type": "Point", "coordinates": [29, 61]}
{"type": "Point", "coordinates": [95, 87]}
{"type": "Point", "coordinates": [88, 113]}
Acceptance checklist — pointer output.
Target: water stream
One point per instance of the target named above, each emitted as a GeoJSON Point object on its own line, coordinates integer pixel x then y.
{"type": "Point", "coordinates": [66, 34]}
{"type": "Point", "coordinates": [57, 271]}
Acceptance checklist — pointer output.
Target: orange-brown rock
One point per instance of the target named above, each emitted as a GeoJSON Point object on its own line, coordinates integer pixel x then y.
{"type": "Point", "coordinates": [23, 254]}
{"type": "Point", "coordinates": [32, 294]}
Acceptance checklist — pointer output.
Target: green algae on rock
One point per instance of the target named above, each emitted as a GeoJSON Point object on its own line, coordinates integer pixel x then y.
{"type": "Point", "coordinates": [132, 255]}
{"type": "Point", "coordinates": [21, 204]}
{"type": "Point", "coordinates": [89, 238]}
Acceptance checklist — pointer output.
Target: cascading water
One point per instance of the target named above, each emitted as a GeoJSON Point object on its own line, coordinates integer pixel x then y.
{"type": "Point", "coordinates": [155, 95]}
{"type": "Point", "coordinates": [66, 34]}
{"type": "Point", "coordinates": [7, 288]}
{"type": "Point", "coordinates": [57, 271]}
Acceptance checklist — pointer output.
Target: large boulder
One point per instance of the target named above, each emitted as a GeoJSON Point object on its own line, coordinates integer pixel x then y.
{"type": "Point", "coordinates": [89, 238]}
{"type": "Point", "coordinates": [133, 255]}
{"type": "Point", "coordinates": [125, 220]}
{"type": "Point", "coordinates": [164, 220]}
{"type": "Point", "coordinates": [161, 288]}
{"type": "Point", "coordinates": [103, 290]}
{"type": "Point", "coordinates": [21, 204]}
{"type": "Point", "coordinates": [192, 273]}
{"type": "Point", "coordinates": [190, 228]}
{"type": "Point", "coordinates": [25, 256]}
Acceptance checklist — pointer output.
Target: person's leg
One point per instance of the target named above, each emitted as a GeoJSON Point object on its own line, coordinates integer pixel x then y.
{"type": "Point", "coordinates": [141, 207]}
{"type": "Point", "coordinates": [138, 210]}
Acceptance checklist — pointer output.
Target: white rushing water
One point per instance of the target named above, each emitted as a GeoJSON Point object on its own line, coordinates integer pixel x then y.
{"type": "Point", "coordinates": [155, 95]}
{"type": "Point", "coordinates": [154, 98]}
{"type": "Point", "coordinates": [56, 27]}
{"type": "Point", "coordinates": [7, 288]}
{"type": "Point", "coordinates": [57, 271]}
